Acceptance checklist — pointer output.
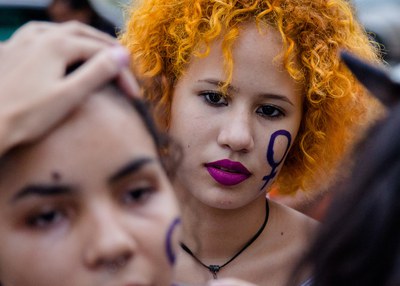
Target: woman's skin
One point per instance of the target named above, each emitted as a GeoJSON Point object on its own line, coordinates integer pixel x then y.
{"type": "Point", "coordinates": [61, 11]}
{"type": "Point", "coordinates": [255, 124]}
{"type": "Point", "coordinates": [36, 93]}
{"type": "Point", "coordinates": [255, 93]}
{"type": "Point", "coordinates": [89, 204]}
{"type": "Point", "coordinates": [238, 127]}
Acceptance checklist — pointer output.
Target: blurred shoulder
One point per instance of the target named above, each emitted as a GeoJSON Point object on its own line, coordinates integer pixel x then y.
{"type": "Point", "coordinates": [290, 217]}
{"type": "Point", "coordinates": [291, 226]}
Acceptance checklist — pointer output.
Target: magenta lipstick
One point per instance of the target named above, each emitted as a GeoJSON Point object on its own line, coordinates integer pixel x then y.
{"type": "Point", "coordinates": [227, 172]}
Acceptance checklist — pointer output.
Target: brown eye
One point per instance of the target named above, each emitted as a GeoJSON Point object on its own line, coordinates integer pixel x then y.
{"type": "Point", "coordinates": [137, 195]}
{"type": "Point", "coordinates": [269, 111]}
{"type": "Point", "coordinates": [214, 98]}
{"type": "Point", "coordinates": [45, 219]}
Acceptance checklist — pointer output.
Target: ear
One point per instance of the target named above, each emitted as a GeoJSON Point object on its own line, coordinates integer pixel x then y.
{"type": "Point", "coordinates": [378, 81]}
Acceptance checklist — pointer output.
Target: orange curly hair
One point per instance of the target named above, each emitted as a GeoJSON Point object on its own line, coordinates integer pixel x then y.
{"type": "Point", "coordinates": [163, 35]}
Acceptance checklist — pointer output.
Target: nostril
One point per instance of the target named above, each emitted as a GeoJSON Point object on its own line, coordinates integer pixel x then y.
{"type": "Point", "coordinates": [237, 140]}
{"type": "Point", "coordinates": [115, 265]}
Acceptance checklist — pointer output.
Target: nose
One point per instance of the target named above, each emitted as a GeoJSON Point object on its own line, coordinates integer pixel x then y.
{"type": "Point", "coordinates": [109, 247]}
{"type": "Point", "coordinates": [236, 132]}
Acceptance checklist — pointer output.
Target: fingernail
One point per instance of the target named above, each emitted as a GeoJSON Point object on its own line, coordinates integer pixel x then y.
{"type": "Point", "coordinates": [121, 56]}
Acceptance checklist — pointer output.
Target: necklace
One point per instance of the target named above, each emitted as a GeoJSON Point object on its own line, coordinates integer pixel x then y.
{"type": "Point", "coordinates": [214, 269]}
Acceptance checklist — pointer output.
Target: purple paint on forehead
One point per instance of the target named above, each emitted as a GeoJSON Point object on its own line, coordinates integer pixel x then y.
{"type": "Point", "coordinates": [270, 155]}
{"type": "Point", "coordinates": [168, 241]}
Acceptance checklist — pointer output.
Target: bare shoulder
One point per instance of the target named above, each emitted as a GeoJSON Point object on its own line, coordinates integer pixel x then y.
{"type": "Point", "coordinates": [285, 239]}
{"type": "Point", "coordinates": [289, 231]}
{"type": "Point", "coordinates": [290, 220]}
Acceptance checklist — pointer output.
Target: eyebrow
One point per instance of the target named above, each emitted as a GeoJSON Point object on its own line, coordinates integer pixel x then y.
{"type": "Point", "coordinates": [276, 96]}
{"type": "Point", "coordinates": [42, 190]}
{"type": "Point", "coordinates": [132, 167]}
{"type": "Point", "coordinates": [47, 190]}
{"type": "Point", "coordinates": [234, 89]}
{"type": "Point", "coordinates": [218, 84]}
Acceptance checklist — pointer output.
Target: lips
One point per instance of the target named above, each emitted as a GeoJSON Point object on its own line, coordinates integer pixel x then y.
{"type": "Point", "coordinates": [227, 172]}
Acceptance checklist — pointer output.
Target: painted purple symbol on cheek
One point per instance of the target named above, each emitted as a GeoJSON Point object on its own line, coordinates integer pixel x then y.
{"type": "Point", "coordinates": [168, 241]}
{"type": "Point", "coordinates": [270, 155]}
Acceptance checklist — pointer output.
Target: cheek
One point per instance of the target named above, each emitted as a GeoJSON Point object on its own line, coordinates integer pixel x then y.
{"type": "Point", "coordinates": [177, 115]}
{"type": "Point", "coordinates": [24, 263]}
{"type": "Point", "coordinates": [177, 128]}
{"type": "Point", "coordinates": [277, 148]}
{"type": "Point", "coordinates": [161, 240]}
{"type": "Point", "coordinates": [172, 241]}
{"type": "Point", "coordinates": [188, 119]}
{"type": "Point", "coordinates": [158, 251]}
{"type": "Point", "coordinates": [10, 263]}
{"type": "Point", "coordinates": [192, 133]}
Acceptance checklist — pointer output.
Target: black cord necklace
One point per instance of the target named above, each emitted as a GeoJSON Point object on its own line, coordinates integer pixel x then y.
{"type": "Point", "coordinates": [214, 269]}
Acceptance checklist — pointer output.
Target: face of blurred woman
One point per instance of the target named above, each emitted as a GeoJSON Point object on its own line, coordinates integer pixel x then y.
{"type": "Point", "coordinates": [90, 204]}
{"type": "Point", "coordinates": [61, 11]}
{"type": "Point", "coordinates": [235, 143]}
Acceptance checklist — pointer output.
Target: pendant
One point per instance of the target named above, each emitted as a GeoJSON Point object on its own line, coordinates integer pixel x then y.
{"type": "Point", "coordinates": [214, 270]}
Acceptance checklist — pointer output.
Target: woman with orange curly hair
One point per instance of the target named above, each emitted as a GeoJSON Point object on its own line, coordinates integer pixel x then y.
{"type": "Point", "coordinates": [255, 93]}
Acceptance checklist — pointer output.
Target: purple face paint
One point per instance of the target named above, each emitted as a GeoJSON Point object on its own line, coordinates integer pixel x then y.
{"type": "Point", "coordinates": [168, 241]}
{"type": "Point", "coordinates": [270, 155]}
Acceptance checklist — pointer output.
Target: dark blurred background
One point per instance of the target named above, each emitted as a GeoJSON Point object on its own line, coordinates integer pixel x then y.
{"type": "Point", "coordinates": [105, 15]}
{"type": "Point", "coordinates": [381, 18]}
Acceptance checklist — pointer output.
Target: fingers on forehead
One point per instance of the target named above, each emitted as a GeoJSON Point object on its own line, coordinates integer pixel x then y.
{"type": "Point", "coordinates": [63, 32]}
{"type": "Point", "coordinates": [76, 28]}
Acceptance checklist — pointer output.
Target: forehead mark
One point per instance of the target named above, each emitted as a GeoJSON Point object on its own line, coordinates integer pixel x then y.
{"type": "Point", "coordinates": [56, 176]}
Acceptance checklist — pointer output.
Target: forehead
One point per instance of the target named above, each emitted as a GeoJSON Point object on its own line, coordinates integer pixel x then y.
{"type": "Point", "coordinates": [102, 135]}
{"type": "Point", "coordinates": [253, 44]}
{"type": "Point", "coordinates": [256, 58]}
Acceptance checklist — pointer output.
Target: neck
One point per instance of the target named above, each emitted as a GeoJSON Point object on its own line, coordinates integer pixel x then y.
{"type": "Point", "coordinates": [220, 233]}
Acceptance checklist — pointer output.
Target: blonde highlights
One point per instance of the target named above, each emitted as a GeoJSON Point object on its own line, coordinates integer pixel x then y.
{"type": "Point", "coordinates": [164, 35]}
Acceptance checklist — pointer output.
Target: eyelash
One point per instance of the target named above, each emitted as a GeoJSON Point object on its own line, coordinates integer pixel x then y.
{"type": "Point", "coordinates": [137, 196]}
{"type": "Point", "coordinates": [273, 111]}
{"type": "Point", "coordinates": [45, 219]}
{"type": "Point", "coordinates": [206, 95]}
{"type": "Point", "coordinates": [49, 217]}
